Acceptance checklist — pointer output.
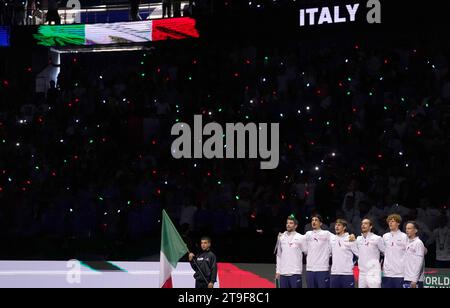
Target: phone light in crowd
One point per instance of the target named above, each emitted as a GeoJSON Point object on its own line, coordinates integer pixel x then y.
{"type": "Point", "coordinates": [316, 168]}
{"type": "Point", "coordinates": [400, 153]}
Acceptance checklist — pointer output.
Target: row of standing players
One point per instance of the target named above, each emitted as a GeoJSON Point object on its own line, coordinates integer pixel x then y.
{"type": "Point", "coordinates": [403, 265]}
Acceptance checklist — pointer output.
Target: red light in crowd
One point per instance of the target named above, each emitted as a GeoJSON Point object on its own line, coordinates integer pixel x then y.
{"type": "Point", "coordinates": [318, 92]}
{"type": "Point", "coordinates": [354, 110]}
{"type": "Point", "coordinates": [332, 185]}
{"type": "Point", "coordinates": [158, 191]}
{"type": "Point", "coordinates": [386, 61]}
{"type": "Point", "coordinates": [247, 62]}
{"type": "Point", "coordinates": [290, 147]}
{"type": "Point", "coordinates": [356, 46]}
{"type": "Point", "coordinates": [153, 142]}
{"type": "Point", "coordinates": [362, 168]}
{"type": "Point", "coordinates": [208, 174]}
{"type": "Point", "coordinates": [53, 173]}
{"type": "Point", "coordinates": [283, 197]}
{"type": "Point", "coordinates": [349, 128]}
{"type": "Point", "coordinates": [1, 189]}
{"type": "Point", "coordinates": [75, 157]}
{"type": "Point", "coordinates": [340, 84]}
{"type": "Point", "coordinates": [28, 182]}
{"type": "Point", "coordinates": [5, 83]}
{"type": "Point", "coordinates": [380, 156]}
{"type": "Point", "coordinates": [419, 133]}
{"type": "Point", "coordinates": [154, 172]}
{"type": "Point", "coordinates": [29, 69]}
{"type": "Point", "coordinates": [236, 75]}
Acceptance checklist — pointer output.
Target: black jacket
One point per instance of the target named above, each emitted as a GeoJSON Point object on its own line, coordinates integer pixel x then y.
{"type": "Point", "coordinates": [207, 263]}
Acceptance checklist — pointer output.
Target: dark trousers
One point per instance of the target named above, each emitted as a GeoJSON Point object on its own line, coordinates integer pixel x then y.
{"type": "Point", "coordinates": [167, 8]}
{"type": "Point", "coordinates": [319, 280]}
{"type": "Point", "coordinates": [342, 281]}
{"type": "Point", "coordinates": [406, 284]}
{"type": "Point", "coordinates": [392, 283]}
{"type": "Point", "coordinates": [201, 284]}
{"type": "Point", "coordinates": [291, 282]}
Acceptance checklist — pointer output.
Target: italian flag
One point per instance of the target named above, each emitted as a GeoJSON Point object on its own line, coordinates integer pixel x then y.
{"type": "Point", "coordinates": [173, 249]}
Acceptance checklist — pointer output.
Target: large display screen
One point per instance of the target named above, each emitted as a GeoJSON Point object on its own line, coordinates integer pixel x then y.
{"type": "Point", "coordinates": [117, 33]}
{"type": "Point", "coordinates": [4, 36]}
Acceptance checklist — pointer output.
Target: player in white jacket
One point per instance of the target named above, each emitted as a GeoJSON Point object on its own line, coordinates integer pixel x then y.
{"type": "Point", "coordinates": [342, 247]}
{"type": "Point", "coordinates": [414, 258]}
{"type": "Point", "coordinates": [290, 248]}
{"type": "Point", "coordinates": [318, 255]}
{"type": "Point", "coordinates": [395, 246]}
{"type": "Point", "coordinates": [369, 248]}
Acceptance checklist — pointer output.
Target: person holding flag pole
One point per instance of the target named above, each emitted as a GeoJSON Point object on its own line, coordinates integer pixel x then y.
{"type": "Point", "coordinates": [173, 248]}
{"type": "Point", "coordinates": [204, 265]}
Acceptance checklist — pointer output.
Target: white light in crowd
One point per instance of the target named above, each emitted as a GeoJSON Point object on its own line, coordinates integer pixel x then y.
{"type": "Point", "coordinates": [67, 188]}
{"type": "Point", "coordinates": [77, 120]}
{"type": "Point", "coordinates": [333, 154]}
{"type": "Point", "coordinates": [400, 153]}
{"type": "Point", "coordinates": [264, 79]}
{"type": "Point", "coordinates": [346, 60]}
{"type": "Point", "coordinates": [320, 178]}
{"type": "Point", "coordinates": [250, 3]}
{"type": "Point", "coordinates": [307, 85]}
{"type": "Point", "coordinates": [101, 77]}
{"type": "Point", "coordinates": [17, 144]}
{"type": "Point", "coordinates": [316, 168]}
{"type": "Point", "coordinates": [321, 161]}
{"type": "Point", "coordinates": [251, 101]}
{"type": "Point", "coordinates": [281, 115]}
{"type": "Point", "coordinates": [166, 183]}
{"type": "Point", "coordinates": [299, 111]}
{"type": "Point", "coordinates": [105, 213]}
{"type": "Point", "coordinates": [407, 165]}
{"type": "Point", "coordinates": [62, 140]}
{"type": "Point", "coordinates": [118, 212]}
{"type": "Point", "coordinates": [195, 165]}
{"type": "Point", "coordinates": [210, 113]}
{"type": "Point", "coordinates": [104, 101]}
{"type": "Point", "coordinates": [307, 107]}
{"type": "Point", "coordinates": [71, 210]}
{"type": "Point", "coordinates": [124, 100]}
{"type": "Point", "coordinates": [301, 171]}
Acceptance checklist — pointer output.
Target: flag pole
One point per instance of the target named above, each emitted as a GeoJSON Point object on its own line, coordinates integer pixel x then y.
{"type": "Point", "coordinates": [201, 273]}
